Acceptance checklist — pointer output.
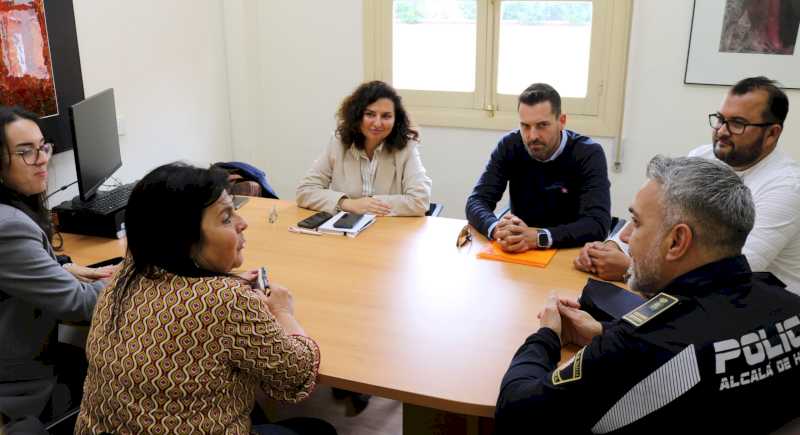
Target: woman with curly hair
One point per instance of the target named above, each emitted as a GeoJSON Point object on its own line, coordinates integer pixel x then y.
{"type": "Point", "coordinates": [371, 164]}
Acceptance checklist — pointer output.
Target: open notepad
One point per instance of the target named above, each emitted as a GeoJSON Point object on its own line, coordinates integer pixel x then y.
{"type": "Point", "coordinates": [361, 225]}
{"type": "Point", "coordinates": [534, 257]}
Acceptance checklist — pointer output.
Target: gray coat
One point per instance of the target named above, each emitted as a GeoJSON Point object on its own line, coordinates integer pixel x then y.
{"type": "Point", "coordinates": [35, 292]}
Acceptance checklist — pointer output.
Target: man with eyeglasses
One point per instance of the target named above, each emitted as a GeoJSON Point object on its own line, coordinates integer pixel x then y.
{"type": "Point", "coordinates": [745, 133]}
{"type": "Point", "coordinates": [557, 180]}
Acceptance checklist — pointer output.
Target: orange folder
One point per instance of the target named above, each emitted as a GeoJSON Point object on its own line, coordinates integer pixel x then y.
{"type": "Point", "coordinates": [534, 257]}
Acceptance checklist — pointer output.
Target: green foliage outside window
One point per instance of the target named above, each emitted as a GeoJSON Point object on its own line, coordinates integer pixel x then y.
{"type": "Point", "coordinates": [525, 12]}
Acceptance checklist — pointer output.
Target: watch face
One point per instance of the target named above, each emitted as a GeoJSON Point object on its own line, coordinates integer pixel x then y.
{"type": "Point", "coordinates": [543, 240]}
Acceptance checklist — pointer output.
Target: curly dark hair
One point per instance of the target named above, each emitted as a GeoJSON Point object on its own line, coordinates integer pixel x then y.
{"type": "Point", "coordinates": [351, 113]}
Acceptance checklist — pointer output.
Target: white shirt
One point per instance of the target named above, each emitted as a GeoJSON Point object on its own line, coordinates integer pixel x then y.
{"type": "Point", "coordinates": [774, 243]}
{"type": "Point", "coordinates": [368, 168]}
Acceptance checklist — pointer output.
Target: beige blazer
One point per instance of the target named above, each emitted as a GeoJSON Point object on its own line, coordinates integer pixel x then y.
{"type": "Point", "coordinates": [400, 180]}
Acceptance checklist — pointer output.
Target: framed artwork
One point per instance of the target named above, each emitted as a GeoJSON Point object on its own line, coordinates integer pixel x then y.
{"type": "Point", "coordinates": [734, 39]}
{"type": "Point", "coordinates": [40, 66]}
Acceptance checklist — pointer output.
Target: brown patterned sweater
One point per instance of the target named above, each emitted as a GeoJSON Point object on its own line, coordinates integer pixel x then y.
{"type": "Point", "coordinates": [186, 357]}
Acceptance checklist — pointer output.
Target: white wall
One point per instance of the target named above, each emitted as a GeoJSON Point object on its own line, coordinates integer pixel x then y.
{"type": "Point", "coordinates": [307, 54]}
{"type": "Point", "coordinates": [166, 62]}
{"type": "Point", "coordinates": [310, 56]}
{"type": "Point", "coordinates": [662, 114]}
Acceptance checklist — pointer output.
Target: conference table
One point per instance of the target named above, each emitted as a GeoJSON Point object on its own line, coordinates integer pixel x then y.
{"type": "Point", "coordinates": [398, 311]}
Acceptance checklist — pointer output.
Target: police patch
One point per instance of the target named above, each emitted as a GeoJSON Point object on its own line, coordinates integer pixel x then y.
{"type": "Point", "coordinates": [655, 306]}
{"type": "Point", "coordinates": [572, 370]}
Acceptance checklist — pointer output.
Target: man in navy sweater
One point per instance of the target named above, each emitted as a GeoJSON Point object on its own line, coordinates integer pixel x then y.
{"type": "Point", "coordinates": [558, 181]}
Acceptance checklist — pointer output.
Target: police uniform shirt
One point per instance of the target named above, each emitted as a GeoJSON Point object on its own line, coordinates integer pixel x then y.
{"type": "Point", "coordinates": [717, 352]}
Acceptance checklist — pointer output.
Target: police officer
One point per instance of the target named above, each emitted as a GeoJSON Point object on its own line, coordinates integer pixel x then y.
{"type": "Point", "coordinates": [715, 349]}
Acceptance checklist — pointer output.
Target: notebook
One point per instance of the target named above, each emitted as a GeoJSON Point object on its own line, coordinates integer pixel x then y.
{"type": "Point", "coordinates": [534, 257]}
{"type": "Point", "coordinates": [361, 225]}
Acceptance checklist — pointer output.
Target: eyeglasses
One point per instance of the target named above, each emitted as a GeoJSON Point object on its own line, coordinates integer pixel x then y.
{"type": "Point", "coordinates": [716, 121]}
{"type": "Point", "coordinates": [464, 237]}
{"type": "Point", "coordinates": [30, 155]}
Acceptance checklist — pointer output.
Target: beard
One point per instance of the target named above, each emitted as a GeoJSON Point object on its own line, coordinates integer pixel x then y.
{"type": "Point", "coordinates": [645, 273]}
{"type": "Point", "coordinates": [738, 155]}
{"type": "Point", "coordinates": [545, 151]}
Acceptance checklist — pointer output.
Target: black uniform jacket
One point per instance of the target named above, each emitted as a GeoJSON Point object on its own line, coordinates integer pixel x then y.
{"type": "Point", "coordinates": [718, 351]}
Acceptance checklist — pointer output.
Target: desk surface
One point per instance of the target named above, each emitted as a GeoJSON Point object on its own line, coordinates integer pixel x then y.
{"type": "Point", "coordinates": [398, 311]}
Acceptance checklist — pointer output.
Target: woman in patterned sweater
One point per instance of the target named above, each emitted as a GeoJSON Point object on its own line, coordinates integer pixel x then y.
{"type": "Point", "coordinates": [178, 344]}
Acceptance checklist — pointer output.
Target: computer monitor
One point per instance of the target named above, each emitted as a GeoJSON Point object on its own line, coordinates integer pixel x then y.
{"type": "Point", "coordinates": [94, 133]}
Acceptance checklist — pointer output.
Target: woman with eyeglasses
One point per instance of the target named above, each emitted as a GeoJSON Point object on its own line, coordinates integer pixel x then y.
{"type": "Point", "coordinates": [35, 290]}
{"type": "Point", "coordinates": [371, 164]}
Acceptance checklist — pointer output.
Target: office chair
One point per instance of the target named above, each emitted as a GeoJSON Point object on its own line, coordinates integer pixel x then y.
{"type": "Point", "coordinates": [246, 179]}
{"type": "Point", "coordinates": [435, 209]}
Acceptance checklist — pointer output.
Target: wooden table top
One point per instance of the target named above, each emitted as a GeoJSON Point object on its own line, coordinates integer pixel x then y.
{"type": "Point", "coordinates": [398, 311]}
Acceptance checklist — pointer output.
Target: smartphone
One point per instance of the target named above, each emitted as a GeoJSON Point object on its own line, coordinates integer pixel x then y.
{"type": "Point", "coordinates": [239, 201]}
{"type": "Point", "coordinates": [315, 220]}
{"type": "Point", "coordinates": [262, 280]}
{"type": "Point", "coordinates": [348, 220]}
{"type": "Point", "coordinates": [109, 262]}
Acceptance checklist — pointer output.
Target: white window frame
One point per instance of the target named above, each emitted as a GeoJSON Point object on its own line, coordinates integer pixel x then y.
{"type": "Point", "coordinates": [598, 114]}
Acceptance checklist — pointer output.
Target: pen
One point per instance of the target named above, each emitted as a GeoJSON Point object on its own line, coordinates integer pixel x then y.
{"type": "Point", "coordinates": [263, 281]}
{"type": "Point", "coordinates": [304, 231]}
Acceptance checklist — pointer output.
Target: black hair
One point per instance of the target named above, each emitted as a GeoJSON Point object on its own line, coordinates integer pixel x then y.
{"type": "Point", "coordinates": [540, 92]}
{"type": "Point", "coordinates": [351, 113]}
{"type": "Point", "coordinates": [777, 102]}
{"type": "Point", "coordinates": [163, 222]}
{"type": "Point", "coordinates": [35, 206]}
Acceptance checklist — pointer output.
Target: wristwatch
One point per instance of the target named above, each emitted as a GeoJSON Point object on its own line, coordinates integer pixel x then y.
{"type": "Point", "coordinates": [543, 239]}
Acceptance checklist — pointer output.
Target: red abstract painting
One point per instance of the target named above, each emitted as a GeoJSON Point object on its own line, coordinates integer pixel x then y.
{"type": "Point", "coordinates": [26, 68]}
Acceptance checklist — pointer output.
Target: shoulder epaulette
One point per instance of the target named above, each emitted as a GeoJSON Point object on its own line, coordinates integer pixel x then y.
{"type": "Point", "coordinates": [653, 307]}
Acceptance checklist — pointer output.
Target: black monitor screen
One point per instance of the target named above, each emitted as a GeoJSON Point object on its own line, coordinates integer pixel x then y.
{"type": "Point", "coordinates": [94, 131]}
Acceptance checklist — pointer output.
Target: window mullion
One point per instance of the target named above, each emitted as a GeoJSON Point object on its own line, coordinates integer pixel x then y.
{"type": "Point", "coordinates": [385, 41]}
{"type": "Point", "coordinates": [488, 31]}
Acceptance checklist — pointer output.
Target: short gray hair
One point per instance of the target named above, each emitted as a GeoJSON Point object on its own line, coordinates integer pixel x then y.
{"type": "Point", "coordinates": [709, 197]}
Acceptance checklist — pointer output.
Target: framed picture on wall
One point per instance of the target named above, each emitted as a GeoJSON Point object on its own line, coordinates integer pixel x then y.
{"type": "Point", "coordinates": [733, 39]}
{"type": "Point", "coordinates": [40, 67]}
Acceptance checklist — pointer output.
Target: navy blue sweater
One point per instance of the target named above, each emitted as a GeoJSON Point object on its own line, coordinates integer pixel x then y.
{"type": "Point", "coordinates": [569, 195]}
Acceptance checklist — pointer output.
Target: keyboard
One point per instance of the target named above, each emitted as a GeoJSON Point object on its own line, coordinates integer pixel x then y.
{"type": "Point", "coordinates": [109, 201]}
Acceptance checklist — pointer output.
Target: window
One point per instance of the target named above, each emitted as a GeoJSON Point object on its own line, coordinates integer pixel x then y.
{"type": "Point", "coordinates": [464, 62]}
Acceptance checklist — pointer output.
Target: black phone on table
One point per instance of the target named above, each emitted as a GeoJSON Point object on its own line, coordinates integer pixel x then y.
{"type": "Point", "coordinates": [348, 220]}
{"type": "Point", "coordinates": [315, 220]}
{"type": "Point", "coordinates": [109, 262]}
